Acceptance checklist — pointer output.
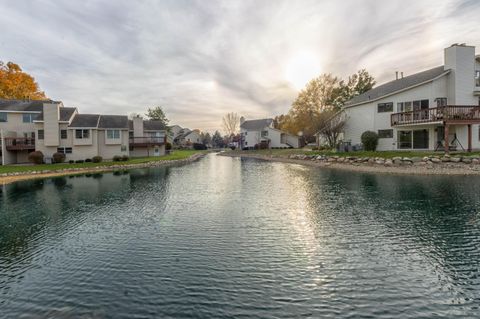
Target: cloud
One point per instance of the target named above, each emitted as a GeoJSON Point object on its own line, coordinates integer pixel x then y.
{"type": "Point", "coordinates": [201, 59]}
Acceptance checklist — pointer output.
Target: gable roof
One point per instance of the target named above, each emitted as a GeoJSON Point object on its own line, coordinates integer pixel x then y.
{"type": "Point", "coordinates": [256, 124]}
{"type": "Point", "coordinates": [152, 125]}
{"type": "Point", "coordinates": [113, 121]}
{"type": "Point", "coordinates": [85, 120]}
{"type": "Point", "coordinates": [23, 105]}
{"type": "Point", "coordinates": [65, 114]}
{"type": "Point", "coordinates": [398, 85]}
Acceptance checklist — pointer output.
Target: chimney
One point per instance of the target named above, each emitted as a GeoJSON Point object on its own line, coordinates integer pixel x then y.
{"type": "Point", "coordinates": [396, 75]}
{"type": "Point", "coordinates": [51, 126]}
{"type": "Point", "coordinates": [401, 74]}
{"type": "Point", "coordinates": [460, 60]}
{"type": "Point", "coordinates": [137, 126]}
{"type": "Point", "coordinates": [242, 119]}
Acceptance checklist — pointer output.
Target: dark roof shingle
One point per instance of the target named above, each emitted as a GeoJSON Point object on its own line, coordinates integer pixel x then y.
{"type": "Point", "coordinates": [256, 124]}
{"type": "Point", "coordinates": [113, 121]}
{"type": "Point", "coordinates": [85, 120]}
{"type": "Point", "coordinates": [23, 105]}
{"type": "Point", "coordinates": [149, 125]}
{"type": "Point", "coordinates": [397, 85]}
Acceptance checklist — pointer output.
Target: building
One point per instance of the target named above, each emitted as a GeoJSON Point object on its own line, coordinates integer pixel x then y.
{"type": "Point", "coordinates": [186, 138]}
{"type": "Point", "coordinates": [436, 109]}
{"type": "Point", "coordinates": [258, 132]}
{"type": "Point", "coordinates": [50, 127]}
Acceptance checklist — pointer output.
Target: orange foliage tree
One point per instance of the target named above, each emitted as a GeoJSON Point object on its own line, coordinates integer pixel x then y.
{"type": "Point", "coordinates": [16, 84]}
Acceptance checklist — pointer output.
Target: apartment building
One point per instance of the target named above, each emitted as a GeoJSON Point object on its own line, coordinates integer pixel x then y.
{"type": "Point", "coordinates": [50, 127]}
{"type": "Point", "coordinates": [435, 109]}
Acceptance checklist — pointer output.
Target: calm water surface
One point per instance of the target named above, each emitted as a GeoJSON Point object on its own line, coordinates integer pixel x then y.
{"type": "Point", "coordinates": [227, 237]}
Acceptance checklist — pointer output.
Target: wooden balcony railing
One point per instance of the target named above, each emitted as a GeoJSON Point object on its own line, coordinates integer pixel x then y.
{"type": "Point", "coordinates": [467, 114]}
{"type": "Point", "coordinates": [19, 143]}
{"type": "Point", "coordinates": [147, 140]}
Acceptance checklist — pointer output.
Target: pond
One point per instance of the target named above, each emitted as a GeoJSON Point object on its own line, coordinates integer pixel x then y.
{"type": "Point", "coordinates": [228, 237]}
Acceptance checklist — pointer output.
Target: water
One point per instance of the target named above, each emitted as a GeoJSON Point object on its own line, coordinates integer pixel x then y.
{"type": "Point", "coordinates": [226, 237]}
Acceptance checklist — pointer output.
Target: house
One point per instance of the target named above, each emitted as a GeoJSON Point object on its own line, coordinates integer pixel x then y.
{"type": "Point", "coordinates": [50, 127]}
{"type": "Point", "coordinates": [256, 132]}
{"type": "Point", "coordinates": [435, 109]}
{"type": "Point", "coordinates": [187, 137]}
{"type": "Point", "coordinates": [173, 132]}
{"type": "Point", "coordinates": [147, 137]}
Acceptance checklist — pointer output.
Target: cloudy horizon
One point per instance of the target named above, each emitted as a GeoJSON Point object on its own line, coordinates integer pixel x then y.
{"type": "Point", "coordinates": [202, 59]}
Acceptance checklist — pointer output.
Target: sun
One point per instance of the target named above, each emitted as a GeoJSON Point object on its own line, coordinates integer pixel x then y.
{"type": "Point", "coordinates": [301, 68]}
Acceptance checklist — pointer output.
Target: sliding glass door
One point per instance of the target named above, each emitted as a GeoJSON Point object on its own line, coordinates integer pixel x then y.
{"type": "Point", "coordinates": [414, 139]}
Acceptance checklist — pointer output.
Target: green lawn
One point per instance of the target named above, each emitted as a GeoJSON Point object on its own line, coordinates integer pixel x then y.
{"type": "Point", "coordinates": [383, 154]}
{"type": "Point", "coordinates": [175, 155]}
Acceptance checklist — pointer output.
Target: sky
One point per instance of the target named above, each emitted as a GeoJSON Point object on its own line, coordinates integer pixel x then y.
{"type": "Point", "coordinates": [202, 59]}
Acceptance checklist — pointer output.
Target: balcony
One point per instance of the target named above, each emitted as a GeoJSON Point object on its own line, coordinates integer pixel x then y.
{"type": "Point", "coordinates": [19, 143]}
{"type": "Point", "coordinates": [451, 114]}
{"type": "Point", "coordinates": [147, 141]}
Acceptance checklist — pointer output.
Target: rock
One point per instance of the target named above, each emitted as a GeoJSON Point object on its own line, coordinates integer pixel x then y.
{"type": "Point", "coordinates": [380, 162]}
{"type": "Point", "coordinates": [416, 159]}
{"type": "Point", "coordinates": [341, 159]}
{"type": "Point", "coordinates": [332, 159]}
{"type": "Point", "coordinates": [407, 159]}
{"type": "Point", "coordinates": [475, 161]}
{"type": "Point", "coordinates": [397, 158]}
{"type": "Point", "coordinates": [371, 160]}
{"type": "Point", "coordinates": [388, 162]}
{"type": "Point", "coordinates": [445, 159]}
{"type": "Point", "coordinates": [467, 160]}
{"type": "Point", "coordinates": [426, 159]}
{"type": "Point", "coordinates": [397, 161]}
{"type": "Point", "coordinates": [435, 160]}
{"type": "Point", "coordinates": [421, 163]}
{"type": "Point", "coordinates": [455, 159]}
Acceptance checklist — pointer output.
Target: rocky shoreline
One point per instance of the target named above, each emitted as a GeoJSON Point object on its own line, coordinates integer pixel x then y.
{"type": "Point", "coordinates": [428, 165]}
{"type": "Point", "coordinates": [17, 176]}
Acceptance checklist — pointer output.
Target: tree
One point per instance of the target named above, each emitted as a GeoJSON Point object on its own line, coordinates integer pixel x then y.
{"type": "Point", "coordinates": [217, 140]}
{"type": "Point", "coordinates": [231, 123]}
{"type": "Point", "coordinates": [156, 113]}
{"type": "Point", "coordinates": [16, 84]}
{"type": "Point", "coordinates": [331, 125]}
{"type": "Point", "coordinates": [357, 84]}
{"type": "Point", "coordinates": [206, 138]}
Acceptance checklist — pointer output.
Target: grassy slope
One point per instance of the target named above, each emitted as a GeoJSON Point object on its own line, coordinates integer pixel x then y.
{"type": "Point", "coordinates": [384, 154]}
{"type": "Point", "coordinates": [175, 155]}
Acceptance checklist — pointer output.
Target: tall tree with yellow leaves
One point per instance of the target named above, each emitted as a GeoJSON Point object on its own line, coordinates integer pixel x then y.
{"type": "Point", "coordinates": [16, 84]}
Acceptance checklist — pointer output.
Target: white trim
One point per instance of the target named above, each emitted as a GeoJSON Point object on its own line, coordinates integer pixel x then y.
{"type": "Point", "coordinates": [396, 92]}
{"type": "Point", "coordinates": [32, 112]}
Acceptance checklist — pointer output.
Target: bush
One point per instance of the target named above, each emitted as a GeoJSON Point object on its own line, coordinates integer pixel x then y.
{"type": "Point", "coordinates": [117, 158]}
{"type": "Point", "coordinates": [199, 146]}
{"type": "Point", "coordinates": [369, 140]}
{"type": "Point", "coordinates": [97, 159]}
{"type": "Point", "coordinates": [125, 158]}
{"type": "Point", "coordinates": [36, 157]}
{"type": "Point", "coordinates": [168, 146]}
{"type": "Point", "coordinates": [88, 160]}
{"type": "Point", "coordinates": [58, 157]}
{"type": "Point", "coordinates": [71, 161]}
{"type": "Point", "coordinates": [79, 161]}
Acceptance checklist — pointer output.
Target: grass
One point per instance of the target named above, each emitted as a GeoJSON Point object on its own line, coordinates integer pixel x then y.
{"type": "Point", "coordinates": [175, 155]}
{"type": "Point", "coordinates": [383, 154]}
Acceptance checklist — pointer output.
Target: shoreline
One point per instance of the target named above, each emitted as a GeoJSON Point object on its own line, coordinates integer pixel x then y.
{"type": "Point", "coordinates": [440, 168]}
{"type": "Point", "coordinates": [16, 177]}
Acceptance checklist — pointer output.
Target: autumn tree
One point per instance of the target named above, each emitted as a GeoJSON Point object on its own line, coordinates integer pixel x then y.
{"type": "Point", "coordinates": [16, 84]}
{"type": "Point", "coordinates": [231, 123]}
{"type": "Point", "coordinates": [156, 113]}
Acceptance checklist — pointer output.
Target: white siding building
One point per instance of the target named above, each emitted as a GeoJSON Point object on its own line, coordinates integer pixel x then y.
{"type": "Point", "coordinates": [423, 110]}
{"type": "Point", "coordinates": [255, 132]}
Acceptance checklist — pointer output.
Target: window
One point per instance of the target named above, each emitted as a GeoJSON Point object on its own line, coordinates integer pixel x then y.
{"type": "Point", "coordinates": [113, 134]}
{"type": "Point", "coordinates": [28, 117]}
{"type": "Point", "coordinates": [417, 139]}
{"type": "Point", "coordinates": [41, 134]}
{"type": "Point", "coordinates": [79, 134]}
{"type": "Point", "coordinates": [130, 134]}
{"type": "Point", "coordinates": [441, 101]}
{"type": "Point", "coordinates": [420, 139]}
{"type": "Point", "coordinates": [404, 139]}
{"type": "Point", "coordinates": [264, 133]}
{"type": "Point", "coordinates": [64, 150]}
{"type": "Point", "coordinates": [385, 107]}
{"type": "Point", "coordinates": [385, 133]}
{"type": "Point", "coordinates": [477, 78]}
{"type": "Point", "coordinates": [3, 117]}
{"type": "Point", "coordinates": [63, 134]}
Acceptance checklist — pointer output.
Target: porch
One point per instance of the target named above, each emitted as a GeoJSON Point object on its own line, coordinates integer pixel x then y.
{"type": "Point", "coordinates": [19, 143]}
{"type": "Point", "coordinates": [147, 141]}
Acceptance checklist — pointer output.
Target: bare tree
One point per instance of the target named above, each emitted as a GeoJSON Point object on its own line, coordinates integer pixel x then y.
{"type": "Point", "coordinates": [330, 125]}
{"type": "Point", "coordinates": [231, 123]}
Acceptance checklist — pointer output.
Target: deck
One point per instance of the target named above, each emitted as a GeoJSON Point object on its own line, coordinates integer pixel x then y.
{"type": "Point", "coordinates": [147, 141]}
{"type": "Point", "coordinates": [451, 114]}
{"type": "Point", "coordinates": [19, 143]}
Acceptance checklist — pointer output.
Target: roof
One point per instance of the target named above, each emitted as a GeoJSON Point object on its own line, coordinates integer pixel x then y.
{"type": "Point", "coordinates": [113, 121]}
{"type": "Point", "coordinates": [23, 105]}
{"type": "Point", "coordinates": [256, 124]}
{"type": "Point", "coordinates": [149, 125]}
{"type": "Point", "coordinates": [65, 114]}
{"type": "Point", "coordinates": [85, 120]}
{"type": "Point", "coordinates": [398, 85]}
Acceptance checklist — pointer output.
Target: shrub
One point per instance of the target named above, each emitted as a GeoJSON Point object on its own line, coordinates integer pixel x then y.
{"type": "Point", "coordinates": [369, 140]}
{"type": "Point", "coordinates": [199, 146]}
{"type": "Point", "coordinates": [117, 158]}
{"type": "Point", "coordinates": [233, 147]}
{"type": "Point", "coordinates": [97, 159]}
{"type": "Point", "coordinates": [36, 157]}
{"type": "Point", "coordinates": [58, 157]}
{"type": "Point", "coordinates": [88, 160]}
{"type": "Point", "coordinates": [79, 161]}
{"type": "Point", "coordinates": [71, 161]}
{"type": "Point", "coordinates": [125, 158]}
{"type": "Point", "coordinates": [168, 146]}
